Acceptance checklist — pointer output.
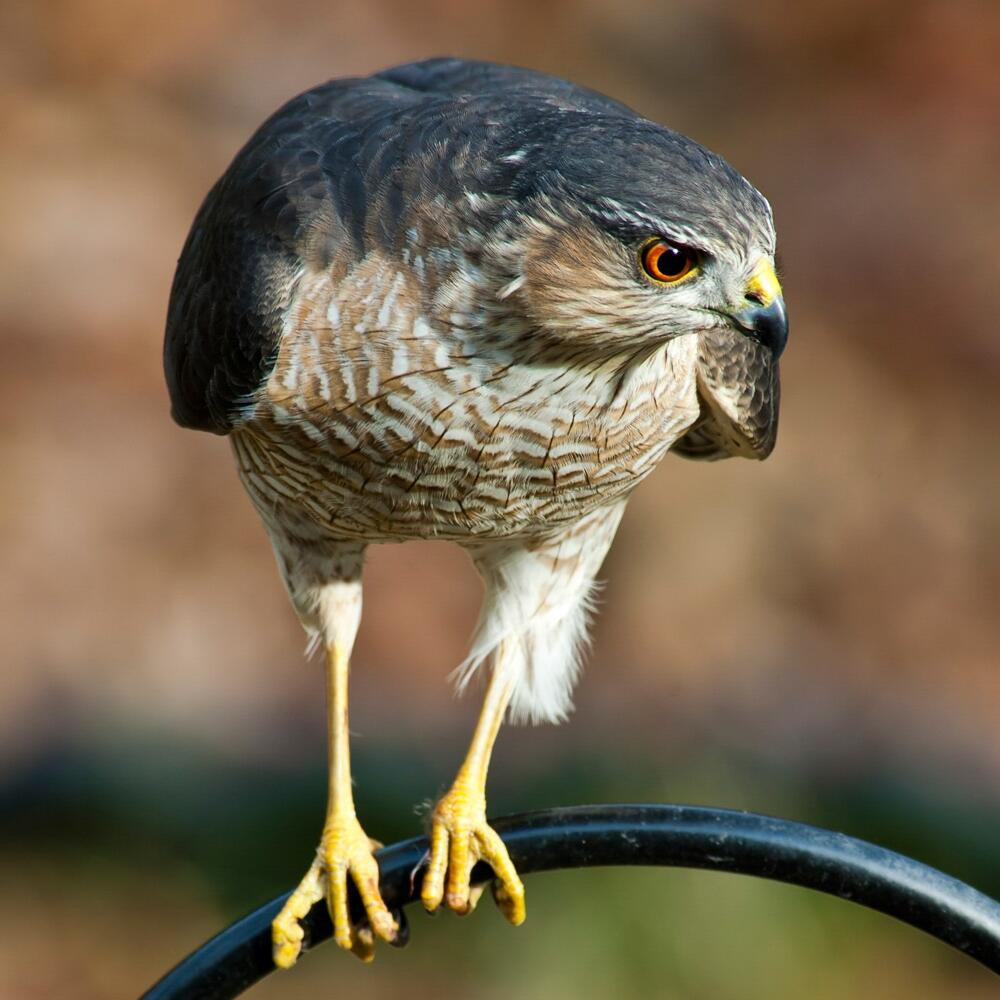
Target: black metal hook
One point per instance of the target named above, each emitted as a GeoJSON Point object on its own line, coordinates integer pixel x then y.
{"type": "Point", "coordinates": [670, 835]}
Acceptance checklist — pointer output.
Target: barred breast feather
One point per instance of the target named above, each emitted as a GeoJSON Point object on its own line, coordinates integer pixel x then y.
{"type": "Point", "coordinates": [379, 424]}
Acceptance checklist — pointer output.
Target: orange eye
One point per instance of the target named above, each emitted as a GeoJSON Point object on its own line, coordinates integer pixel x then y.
{"type": "Point", "coordinates": [667, 263]}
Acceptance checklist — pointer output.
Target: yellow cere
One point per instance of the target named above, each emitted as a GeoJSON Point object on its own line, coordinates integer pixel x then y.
{"type": "Point", "coordinates": [764, 283]}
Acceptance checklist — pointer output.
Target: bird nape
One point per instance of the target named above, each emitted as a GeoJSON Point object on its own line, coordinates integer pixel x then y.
{"type": "Point", "coordinates": [463, 301]}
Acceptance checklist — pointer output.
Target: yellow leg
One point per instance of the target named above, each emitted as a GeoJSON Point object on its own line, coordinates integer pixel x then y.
{"type": "Point", "coordinates": [460, 835]}
{"type": "Point", "coordinates": [344, 849]}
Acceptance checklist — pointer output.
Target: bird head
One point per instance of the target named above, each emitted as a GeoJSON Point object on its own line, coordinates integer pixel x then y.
{"type": "Point", "coordinates": [629, 235]}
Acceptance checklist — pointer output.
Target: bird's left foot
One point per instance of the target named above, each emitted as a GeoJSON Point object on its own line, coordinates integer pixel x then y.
{"type": "Point", "coordinates": [460, 836]}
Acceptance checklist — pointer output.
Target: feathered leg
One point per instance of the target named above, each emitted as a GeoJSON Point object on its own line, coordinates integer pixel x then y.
{"type": "Point", "coordinates": [345, 850]}
{"type": "Point", "coordinates": [532, 626]}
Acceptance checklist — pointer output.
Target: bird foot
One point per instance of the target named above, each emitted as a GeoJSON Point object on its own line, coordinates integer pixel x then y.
{"type": "Point", "coordinates": [344, 851]}
{"type": "Point", "coordinates": [460, 836]}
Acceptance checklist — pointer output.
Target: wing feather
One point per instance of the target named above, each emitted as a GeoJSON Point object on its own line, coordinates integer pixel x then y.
{"type": "Point", "coordinates": [326, 175]}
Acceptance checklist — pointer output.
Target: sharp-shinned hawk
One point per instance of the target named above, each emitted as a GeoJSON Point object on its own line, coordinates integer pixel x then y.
{"type": "Point", "coordinates": [462, 301]}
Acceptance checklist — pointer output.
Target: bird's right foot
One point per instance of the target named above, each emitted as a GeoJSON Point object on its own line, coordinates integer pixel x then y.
{"type": "Point", "coordinates": [344, 850]}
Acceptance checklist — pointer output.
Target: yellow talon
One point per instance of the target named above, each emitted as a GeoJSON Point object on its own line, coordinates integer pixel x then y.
{"type": "Point", "coordinates": [460, 835]}
{"type": "Point", "coordinates": [286, 931]}
{"type": "Point", "coordinates": [345, 851]}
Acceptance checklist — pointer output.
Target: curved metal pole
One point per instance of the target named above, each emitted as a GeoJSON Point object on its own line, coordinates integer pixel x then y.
{"type": "Point", "coordinates": [676, 836]}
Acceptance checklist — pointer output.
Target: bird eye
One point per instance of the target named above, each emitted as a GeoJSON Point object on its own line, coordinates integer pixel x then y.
{"type": "Point", "coordinates": [667, 263]}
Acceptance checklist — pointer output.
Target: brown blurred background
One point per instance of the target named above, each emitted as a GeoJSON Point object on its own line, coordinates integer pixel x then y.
{"type": "Point", "coordinates": [816, 636]}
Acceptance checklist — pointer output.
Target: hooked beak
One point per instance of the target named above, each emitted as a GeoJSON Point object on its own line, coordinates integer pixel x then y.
{"type": "Point", "coordinates": [765, 318]}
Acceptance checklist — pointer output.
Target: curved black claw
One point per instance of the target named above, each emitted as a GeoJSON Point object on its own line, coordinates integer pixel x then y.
{"type": "Point", "coordinates": [403, 934]}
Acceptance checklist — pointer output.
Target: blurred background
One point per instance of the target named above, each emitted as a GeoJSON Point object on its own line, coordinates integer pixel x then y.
{"type": "Point", "coordinates": [815, 637]}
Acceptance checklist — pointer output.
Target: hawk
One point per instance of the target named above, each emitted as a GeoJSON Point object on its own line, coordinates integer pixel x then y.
{"type": "Point", "coordinates": [463, 301]}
